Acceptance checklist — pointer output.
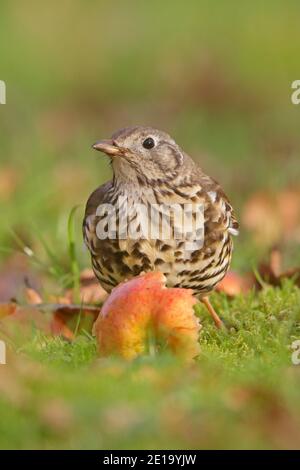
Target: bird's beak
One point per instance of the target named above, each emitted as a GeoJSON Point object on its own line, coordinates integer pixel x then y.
{"type": "Point", "coordinates": [108, 147]}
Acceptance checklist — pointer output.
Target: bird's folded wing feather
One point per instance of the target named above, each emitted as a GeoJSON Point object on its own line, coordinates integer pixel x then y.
{"type": "Point", "coordinates": [218, 207]}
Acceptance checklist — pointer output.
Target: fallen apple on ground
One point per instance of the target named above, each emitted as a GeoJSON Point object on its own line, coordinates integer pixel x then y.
{"type": "Point", "coordinates": [142, 316]}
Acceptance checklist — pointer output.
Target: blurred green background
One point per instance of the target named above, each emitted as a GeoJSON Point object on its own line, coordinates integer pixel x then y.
{"type": "Point", "coordinates": [216, 75]}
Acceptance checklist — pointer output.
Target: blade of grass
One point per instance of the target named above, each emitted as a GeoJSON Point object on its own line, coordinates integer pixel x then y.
{"type": "Point", "coordinates": [55, 270]}
{"type": "Point", "coordinates": [259, 279]}
{"type": "Point", "coordinates": [78, 322]}
{"type": "Point", "coordinates": [51, 255]}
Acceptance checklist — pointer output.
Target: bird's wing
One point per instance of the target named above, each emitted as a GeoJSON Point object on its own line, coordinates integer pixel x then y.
{"type": "Point", "coordinates": [96, 198]}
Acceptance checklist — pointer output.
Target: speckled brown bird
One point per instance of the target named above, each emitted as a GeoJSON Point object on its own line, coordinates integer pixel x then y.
{"type": "Point", "coordinates": [150, 168]}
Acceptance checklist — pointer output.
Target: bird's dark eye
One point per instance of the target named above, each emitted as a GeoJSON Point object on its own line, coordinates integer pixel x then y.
{"type": "Point", "coordinates": [148, 143]}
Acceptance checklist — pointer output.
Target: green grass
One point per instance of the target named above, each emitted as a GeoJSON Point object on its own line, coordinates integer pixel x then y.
{"type": "Point", "coordinates": [242, 391]}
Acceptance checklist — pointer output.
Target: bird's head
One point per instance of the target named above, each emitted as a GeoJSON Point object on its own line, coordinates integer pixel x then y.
{"type": "Point", "coordinates": [144, 153]}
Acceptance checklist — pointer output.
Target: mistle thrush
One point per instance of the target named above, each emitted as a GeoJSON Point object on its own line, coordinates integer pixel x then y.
{"type": "Point", "coordinates": [151, 171]}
